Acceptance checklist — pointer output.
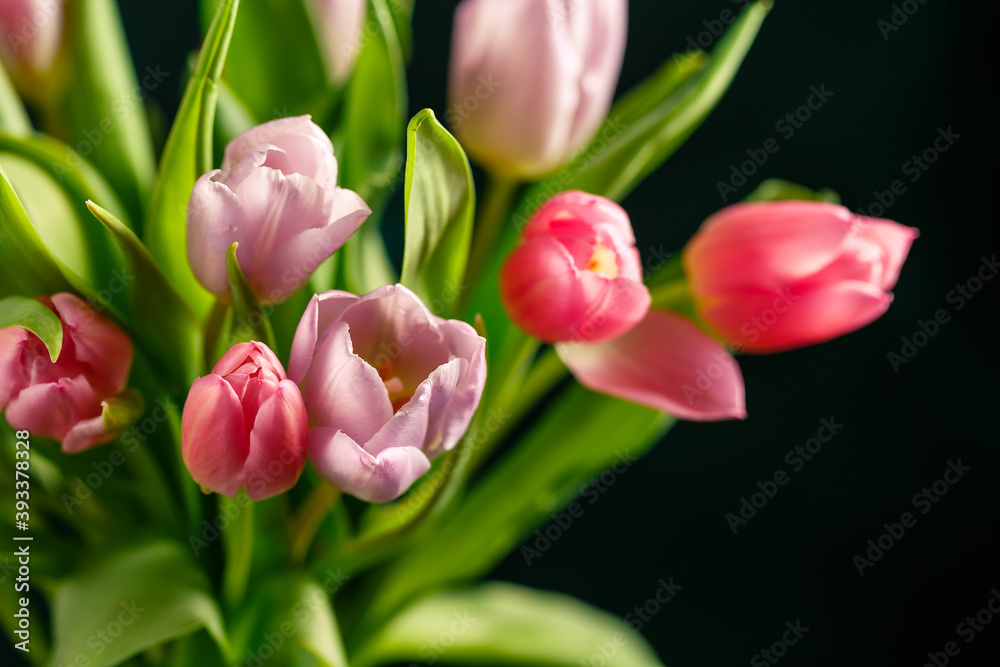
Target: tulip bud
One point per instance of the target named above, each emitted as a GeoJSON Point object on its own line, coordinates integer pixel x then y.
{"type": "Point", "coordinates": [63, 400]}
{"type": "Point", "coordinates": [245, 425]}
{"type": "Point", "coordinates": [532, 80]}
{"type": "Point", "coordinates": [772, 276]}
{"type": "Point", "coordinates": [388, 385]}
{"type": "Point", "coordinates": [341, 26]}
{"type": "Point", "coordinates": [30, 36]}
{"type": "Point", "coordinates": [277, 196]}
{"type": "Point", "coordinates": [577, 275]}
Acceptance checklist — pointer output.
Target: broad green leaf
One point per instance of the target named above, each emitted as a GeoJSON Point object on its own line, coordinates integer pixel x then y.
{"type": "Point", "coordinates": [186, 156]}
{"type": "Point", "coordinates": [19, 311]}
{"type": "Point", "coordinates": [142, 595]}
{"type": "Point", "coordinates": [158, 315]}
{"type": "Point", "coordinates": [775, 189]}
{"type": "Point", "coordinates": [250, 321]}
{"type": "Point", "coordinates": [26, 265]}
{"type": "Point", "coordinates": [500, 623]}
{"type": "Point", "coordinates": [13, 118]}
{"type": "Point", "coordinates": [296, 609]}
{"type": "Point", "coordinates": [578, 436]}
{"type": "Point", "coordinates": [440, 206]}
{"type": "Point", "coordinates": [102, 110]}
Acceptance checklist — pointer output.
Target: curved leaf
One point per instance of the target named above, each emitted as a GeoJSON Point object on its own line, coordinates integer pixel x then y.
{"type": "Point", "coordinates": [13, 118]}
{"type": "Point", "coordinates": [250, 321]}
{"type": "Point", "coordinates": [36, 317]}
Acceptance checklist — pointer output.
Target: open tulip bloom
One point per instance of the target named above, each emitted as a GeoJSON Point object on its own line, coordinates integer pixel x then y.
{"type": "Point", "coordinates": [293, 434]}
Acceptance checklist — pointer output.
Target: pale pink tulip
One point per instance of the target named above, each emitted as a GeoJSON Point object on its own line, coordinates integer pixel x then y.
{"type": "Point", "coordinates": [30, 35]}
{"type": "Point", "coordinates": [245, 425]}
{"type": "Point", "coordinates": [63, 400]}
{"type": "Point", "coordinates": [341, 27]}
{"type": "Point", "coordinates": [666, 363]}
{"type": "Point", "coordinates": [780, 275]}
{"type": "Point", "coordinates": [532, 80]}
{"type": "Point", "coordinates": [577, 274]}
{"type": "Point", "coordinates": [388, 386]}
{"type": "Point", "coordinates": [277, 196]}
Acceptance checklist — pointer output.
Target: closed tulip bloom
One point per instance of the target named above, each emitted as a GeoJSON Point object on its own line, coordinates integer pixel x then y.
{"type": "Point", "coordinates": [341, 26]}
{"type": "Point", "coordinates": [577, 275]}
{"type": "Point", "coordinates": [388, 386]}
{"type": "Point", "coordinates": [532, 80]}
{"type": "Point", "coordinates": [774, 276]}
{"type": "Point", "coordinates": [30, 35]}
{"type": "Point", "coordinates": [245, 425]}
{"type": "Point", "coordinates": [277, 196]}
{"type": "Point", "coordinates": [62, 400]}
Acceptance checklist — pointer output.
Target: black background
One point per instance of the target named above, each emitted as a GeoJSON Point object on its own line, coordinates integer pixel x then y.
{"type": "Point", "coordinates": [793, 561]}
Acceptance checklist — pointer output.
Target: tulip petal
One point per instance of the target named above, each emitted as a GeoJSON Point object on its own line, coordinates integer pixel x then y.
{"type": "Point", "coordinates": [894, 240]}
{"type": "Point", "coordinates": [246, 143]}
{"type": "Point", "coordinates": [52, 409]}
{"type": "Point", "coordinates": [97, 342]}
{"type": "Point", "coordinates": [278, 443]}
{"type": "Point", "coordinates": [214, 440]}
{"type": "Point", "coordinates": [666, 363]}
{"type": "Point", "coordinates": [323, 310]}
{"type": "Point", "coordinates": [86, 434]}
{"type": "Point", "coordinates": [540, 267]}
{"type": "Point", "coordinates": [375, 479]}
{"type": "Point", "coordinates": [215, 221]}
{"type": "Point", "coordinates": [13, 341]}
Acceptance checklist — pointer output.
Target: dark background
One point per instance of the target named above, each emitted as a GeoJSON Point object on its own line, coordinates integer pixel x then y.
{"type": "Point", "coordinates": [793, 561]}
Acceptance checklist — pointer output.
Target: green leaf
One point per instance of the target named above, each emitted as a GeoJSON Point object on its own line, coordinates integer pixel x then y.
{"type": "Point", "coordinates": [19, 311]}
{"type": "Point", "coordinates": [186, 156]}
{"type": "Point", "coordinates": [26, 265]}
{"type": "Point", "coordinates": [440, 206]}
{"type": "Point", "coordinates": [143, 596]}
{"type": "Point", "coordinates": [547, 468]}
{"type": "Point", "coordinates": [775, 189]}
{"type": "Point", "coordinates": [100, 107]}
{"type": "Point", "coordinates": [158, 315]}
{"type": "Point", "coordinates": [121, 411]}
{"type": "Point", "coordinates": [250, 321]}
{"type": "Point", "coordinates": [13, 118]}
{"type": "Point", "coordinates": [501, 623]}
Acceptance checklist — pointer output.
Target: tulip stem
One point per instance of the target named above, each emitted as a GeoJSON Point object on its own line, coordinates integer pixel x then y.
{"type": "Point", "coordinates": [310, 517]}
{"type": "Point", "coordinates": [239, 547]}
{"type": "Point", "coordinates": [493, 212]}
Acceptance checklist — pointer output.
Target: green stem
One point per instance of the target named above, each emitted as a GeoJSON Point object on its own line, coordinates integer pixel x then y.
{"type": "Point", "coordinates": [310, 517]}
{"type": "Point", "coordinates": [239, 547]}
{"type": "Point", "coordinates": [493, 212]}
{"type": "Point", "coordinates": [214, 326]}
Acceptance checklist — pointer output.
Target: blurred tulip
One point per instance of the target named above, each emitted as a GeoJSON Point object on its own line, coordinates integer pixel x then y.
{"type": "Point", "coordinates": [388, 385]}
{"type": "Point", "coordinates": [780, 275]}
{"type": "Point", "coordinates": [30, 36]}
{"type": "Point", "coordinates": [245, 425]}
{"type": "Point", "coordinates": [341, 29]}
{"type": "Point", "coordinates": [532, 80]}
{"type": "Point", "coordinates": [277, 196]}
{"type": "Point", "coordinates": [577, 274]}
{"type": "Point", "coordinates": [63, 400]}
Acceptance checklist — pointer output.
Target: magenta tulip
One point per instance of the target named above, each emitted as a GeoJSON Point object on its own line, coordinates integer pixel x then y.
{"type": "Point", "coordinates": [388, 386]}
{"type": "Point", "coordinates": [245, 425]}
{"type": "Point", "coordinates": [532, 80]}
{"type": "Point", "coordinates": [30, 36]}
{"type": "Point", "coordinates": [63, 400]}
{"type": "Point", "coordinates": [780, 275]}
{"type": "Point", "coordinates": [341, 28]}
{"type": "Point", "coordinates": [577, 274]}
{"type": "Point", "coordinates": [277, 196]}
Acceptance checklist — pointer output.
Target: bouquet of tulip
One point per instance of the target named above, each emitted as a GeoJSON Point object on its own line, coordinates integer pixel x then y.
{"type": "Point", "coordinates": [237, 432]}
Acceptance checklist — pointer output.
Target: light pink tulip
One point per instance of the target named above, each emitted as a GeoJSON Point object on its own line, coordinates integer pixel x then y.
{"type": "Point", "coordinates": [245, 425]}
{"type": "Point", "coordinates": [388, 386]}
{"type": "Point", "coordinates": [277, 196]}
{"type": "Point", "coordinates": [666, 363]}
{"type": "Point", "coordinates": [577, 274]}
{"type": "Point", "coordinates": [341, 27]}
{"type": "Point", "coordinates": [63, 400]}
{"type": "Point", "coordinates": [532, 80]}
{"type": "Point", "coordinates": [780, 275]}
{"type": "Point", "coordinates": [30, 34]}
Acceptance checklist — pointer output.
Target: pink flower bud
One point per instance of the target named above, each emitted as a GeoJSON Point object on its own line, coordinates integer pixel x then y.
{"type": "Point", "coordinates": [277, 196]}
{"type": "Point", "coordinates": [389, 386]}
{"type": "Point", "coordinates": [341, 28]}
{"type": "Point", "coordinates": [532, 80]}
{"type": "Point", "coordinates": [245, 425]}
{"type": "Point", "coordinates": [30, 35]}
{"type": "Point", "coordinates": [774, 276]}
{"type": "Point", "coordinates": [63, 400]}
{"type": "Point", "coordinates": [577, 274]}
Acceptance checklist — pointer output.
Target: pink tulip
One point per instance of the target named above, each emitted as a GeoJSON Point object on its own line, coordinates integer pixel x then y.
{"type": "Point", "coordinates": [30, 35]}
{"type": "Point", "coordinates": [780, 275]}
{"type": "Point", "coordinates": [245, 425]}
{"type": "Point", "coordinates": [63, 400]}
{"type": "Point", "coordinates": [277, 196]}
{"type": "Point", "coordinates": [341, 24]}
{"type": "Point", "coordinates": [532, 80]}
{"type": "Point", "coordinates": [577, 274]}
{"type": "Point", "coordinates": [388, 386]}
